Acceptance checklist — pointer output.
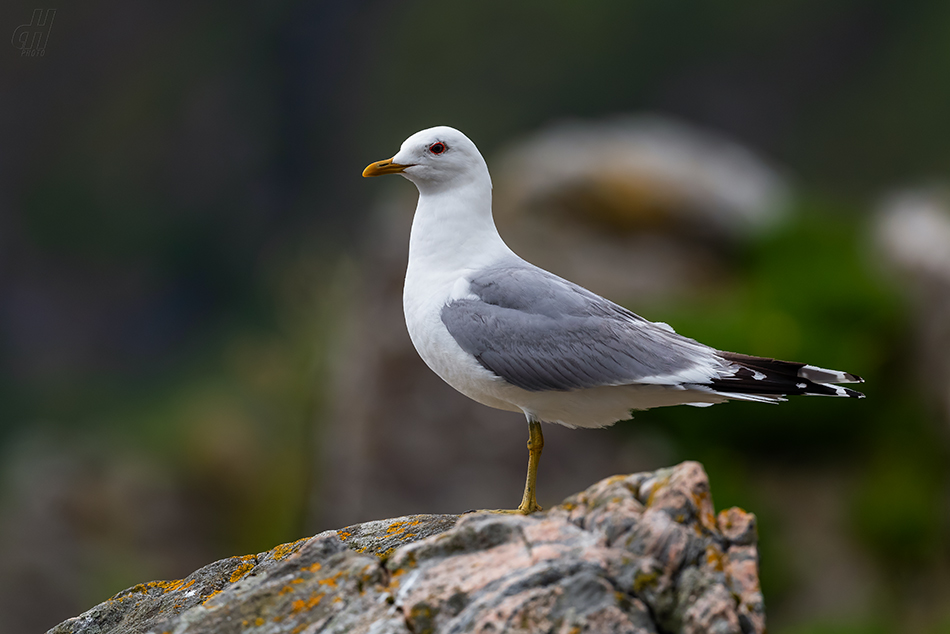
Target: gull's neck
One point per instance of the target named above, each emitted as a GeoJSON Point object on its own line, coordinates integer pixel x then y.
{"type": "Point", "coordinates": [453, 230]}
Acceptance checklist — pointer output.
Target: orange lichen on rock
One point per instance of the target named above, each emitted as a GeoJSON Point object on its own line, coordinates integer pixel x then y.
{"type": "Point", "coordinates": [282, 551]}
{"type": "Point", "coordinates": [212, 595]}
{"type": "Point", "coordinates": [331, 581]}
{"type": "Point", "coordinates": [289, 588]}
{"type": "Point", "coordinates": [704, 507]}
{"type": "Point", "coordinates": [186, 585]}
{"type": "Point", "coordinates": [393, 584]}
{"type": "Point", "coordinates": [714, 557]}
{"type": "Point", "coordinates": [249, 562]}
{"type": "Point", "coordinates": [660, 485]}
{"type": "Point", "coordinates": [164, 586]}
{"type": "Point", "coordinates": [299, 605]}
{"type": "Point", "coordinates": [398, 527]}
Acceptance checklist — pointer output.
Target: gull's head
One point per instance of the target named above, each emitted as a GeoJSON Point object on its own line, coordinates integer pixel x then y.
{"type": "Point", "coordinates": [435, 159]}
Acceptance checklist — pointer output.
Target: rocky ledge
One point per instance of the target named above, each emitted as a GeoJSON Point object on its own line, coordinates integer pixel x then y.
{"type": "Point", "coordinates": [638, 553]}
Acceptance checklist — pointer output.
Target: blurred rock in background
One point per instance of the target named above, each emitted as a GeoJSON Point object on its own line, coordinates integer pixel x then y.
{"type": "Point", "coordinates": [641, 172]}
{"type": "Point", "coordinates": [912, 232]}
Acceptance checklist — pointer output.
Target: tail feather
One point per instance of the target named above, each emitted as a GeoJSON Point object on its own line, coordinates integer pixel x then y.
{"type": "Point", "coordinates": [750, 376]}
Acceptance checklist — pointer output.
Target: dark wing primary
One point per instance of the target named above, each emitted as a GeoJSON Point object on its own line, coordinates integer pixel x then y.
{"type": "Point", "coordinates": [541, 332]}
{"type": "Point", "coordinates": [761, 375]}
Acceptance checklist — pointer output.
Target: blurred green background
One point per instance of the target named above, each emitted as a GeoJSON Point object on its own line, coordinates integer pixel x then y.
{"type": "Point", "coordinates": [180, 198]}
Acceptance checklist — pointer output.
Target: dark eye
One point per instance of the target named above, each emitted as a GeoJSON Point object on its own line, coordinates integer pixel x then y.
{"type": "Point", "coordinates": [437, 148]}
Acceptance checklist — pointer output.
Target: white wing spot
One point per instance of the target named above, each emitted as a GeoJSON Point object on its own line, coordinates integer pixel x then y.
{"type": "Point", "coordinates": [823, 375]}
{"type": "Point", "coordinates": [665, 326]}
{"type": "Point", "coordinates": [801, 386]}
{"type": "Point", "coordinates": [758, 376]}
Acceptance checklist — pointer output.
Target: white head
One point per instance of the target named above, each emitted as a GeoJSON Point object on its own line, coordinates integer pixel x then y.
{"type": "Point", "coordinates": [436, 159]}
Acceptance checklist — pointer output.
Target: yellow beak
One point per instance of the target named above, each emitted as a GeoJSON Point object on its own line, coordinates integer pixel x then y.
{"type": "Point", "coordinates": [383, 167]}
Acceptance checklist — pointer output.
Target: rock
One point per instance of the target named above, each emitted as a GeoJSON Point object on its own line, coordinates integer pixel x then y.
{"type": "Point", "coordinates": [912, 233]}
{"type": "Point", "coordinates": [636, 171]}
{"type": "Point", "coordinates": [642, 553]}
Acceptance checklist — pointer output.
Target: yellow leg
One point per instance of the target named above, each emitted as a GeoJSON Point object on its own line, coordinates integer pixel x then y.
{"type": "Point", "coordinates": [529, 503]}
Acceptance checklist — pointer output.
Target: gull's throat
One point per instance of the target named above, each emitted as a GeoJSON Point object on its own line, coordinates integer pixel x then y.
{"type": "Point", "coordinates": [454, 230]}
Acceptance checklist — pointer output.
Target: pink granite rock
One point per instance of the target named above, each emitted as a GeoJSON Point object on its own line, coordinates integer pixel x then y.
{"type": "Point", "coordinates": [634, 554]}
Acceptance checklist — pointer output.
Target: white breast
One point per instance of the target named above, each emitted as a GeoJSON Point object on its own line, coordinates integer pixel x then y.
{"type": "Point", "coordinates": [450, 239]}
{"type": "Point", "coordinates": [427, 291]}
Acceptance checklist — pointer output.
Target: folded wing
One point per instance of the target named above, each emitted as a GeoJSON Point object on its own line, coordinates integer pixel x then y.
{"type": "Point", "coordinates": [540, 332]}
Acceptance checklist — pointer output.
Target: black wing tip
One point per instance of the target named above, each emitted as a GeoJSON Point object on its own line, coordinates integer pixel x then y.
{"type": "Point", "coordinates": [763, 375]}
{"type": "Point", "coordinates": [854, 393]}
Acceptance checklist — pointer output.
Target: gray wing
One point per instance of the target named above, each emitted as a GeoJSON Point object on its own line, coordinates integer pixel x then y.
{"type": "Point", "coordinates": [541, 332]}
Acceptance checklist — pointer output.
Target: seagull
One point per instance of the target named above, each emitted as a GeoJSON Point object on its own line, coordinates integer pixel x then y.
{"type": "Point", "coordinates": [513, 336]}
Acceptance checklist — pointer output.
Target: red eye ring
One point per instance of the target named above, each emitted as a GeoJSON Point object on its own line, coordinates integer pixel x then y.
{"type": "Point", "coordinates": [437, 148]}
